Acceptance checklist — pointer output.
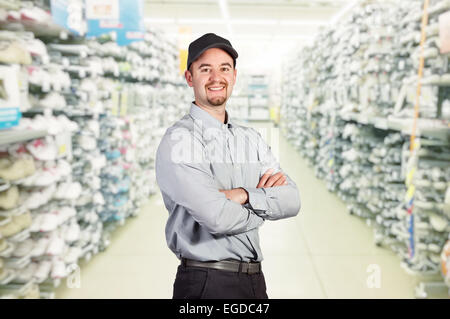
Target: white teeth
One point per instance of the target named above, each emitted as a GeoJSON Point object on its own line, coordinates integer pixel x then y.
{"type": "Point", "coordinates": [216, 89]}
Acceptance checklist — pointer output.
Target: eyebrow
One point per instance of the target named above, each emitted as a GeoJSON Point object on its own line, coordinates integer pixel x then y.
{"type": "Point", "coordinates": [204, 64]}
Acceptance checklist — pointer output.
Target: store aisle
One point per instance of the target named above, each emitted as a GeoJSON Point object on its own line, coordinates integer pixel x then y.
{"type": "Point", "coordinates": [322, 253]}
{"type": "Point", "coordinates": [137, 264]}
{"type": "Point", "coordinates": [325, 252]}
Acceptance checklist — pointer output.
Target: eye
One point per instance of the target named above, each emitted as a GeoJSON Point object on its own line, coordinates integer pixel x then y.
{"type": "Point", "coordinates": [204, 70]}
{"type": "Point", "coordinates": [225, 69]}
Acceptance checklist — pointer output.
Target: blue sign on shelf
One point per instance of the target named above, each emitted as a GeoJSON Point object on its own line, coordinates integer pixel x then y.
{"type": "Point", "coordinates": [69, 15]}
{"type": "Point", "coordinates": [411, 246]}
{"type": "Point", "coordinates": [124, 17]}
{"type": "Point", "coordinates": [9, 117]}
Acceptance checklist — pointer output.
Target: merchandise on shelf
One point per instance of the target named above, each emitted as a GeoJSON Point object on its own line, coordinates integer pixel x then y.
{"type": "Point", "coordinates": [348, 107]}
{"type": "Point", "coordinates": [81, 159]}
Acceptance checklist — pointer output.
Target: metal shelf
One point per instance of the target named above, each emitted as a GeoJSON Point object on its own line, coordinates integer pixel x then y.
{"type": "Point", "coordinates": [14, 212]}
{"type": "Point", "coordinates": [258, 106]}
{"type": "Point", "coordinates": [433, 10]}
{"type": "Point", "coordinates": [439, 129]}
{"type": "Point", "coordinates": [16, 290]}
{"type": "Point", "coordinates": [45, 28]}
{"type": "Point", "coordinates": [15, 136]}
{"type": "Point", "coordinates": [7, 251]}
{"type": "Point", "coordinates": [10, 275]}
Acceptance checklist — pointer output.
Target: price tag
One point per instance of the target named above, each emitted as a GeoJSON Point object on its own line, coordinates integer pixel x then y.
{"type": "Point", "coordinates": [331, 162]}
{"type": "Point", "coordinates": [62, 149]}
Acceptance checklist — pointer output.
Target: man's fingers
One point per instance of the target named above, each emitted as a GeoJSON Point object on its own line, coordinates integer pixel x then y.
{"type": "Point", "coordinates": [273, 179]}
{"type": "Point", "coordinates": [268, 180]}
{"type": "Point", "coordinates": [281, 181]}
{"type": "Point", "coordinates": [264, 178]}
{"type": "Point", "coordinates": [226, 192]}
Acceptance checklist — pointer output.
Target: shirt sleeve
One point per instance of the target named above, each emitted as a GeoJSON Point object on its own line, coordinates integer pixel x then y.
{"type": "Point", "coordinates": [277, 202]}
{"type": "Point", "coordinates": [189, 182]}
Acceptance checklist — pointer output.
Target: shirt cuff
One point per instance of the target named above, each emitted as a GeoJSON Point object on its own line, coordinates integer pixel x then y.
{"type": "Point", "coordinates": [257, 199]}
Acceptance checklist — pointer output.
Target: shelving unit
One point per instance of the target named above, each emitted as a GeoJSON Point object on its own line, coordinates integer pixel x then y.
{"type": "Point", "coordinates": [347, 109]}
{"type": "Point", "coordinates": [117, 102]}
{"type": "Point", "coordinates": [258, 98]}
{"type": "Point", "coordinates": [15, 136]}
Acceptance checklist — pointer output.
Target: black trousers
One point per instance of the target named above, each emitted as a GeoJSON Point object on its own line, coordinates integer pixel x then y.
{"type": "Point", "coordinates": [206, 283]}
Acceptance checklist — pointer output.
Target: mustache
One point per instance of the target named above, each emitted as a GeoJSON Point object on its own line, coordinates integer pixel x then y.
{"type": "Point", "coordinates": [220, 83]}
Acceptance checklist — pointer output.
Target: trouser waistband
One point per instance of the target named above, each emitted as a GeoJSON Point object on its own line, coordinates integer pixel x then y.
{"type": "Point", "coordinates": [225, 265]}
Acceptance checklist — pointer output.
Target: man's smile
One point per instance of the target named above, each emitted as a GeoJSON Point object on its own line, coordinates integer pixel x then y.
{"type": "Point", "coordinates": [216, 88]}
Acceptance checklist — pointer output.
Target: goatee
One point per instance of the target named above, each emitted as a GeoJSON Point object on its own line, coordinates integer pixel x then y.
{"type": "Point", "coordinates": [217, 101]}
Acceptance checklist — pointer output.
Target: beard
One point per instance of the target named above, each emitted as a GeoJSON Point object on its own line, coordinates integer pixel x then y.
{"type": "Point", "coordinates": [217, 101]}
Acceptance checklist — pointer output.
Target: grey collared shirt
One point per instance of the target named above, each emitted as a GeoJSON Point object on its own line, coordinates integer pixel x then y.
{"type": "Point", "coordinates": [197, 157]}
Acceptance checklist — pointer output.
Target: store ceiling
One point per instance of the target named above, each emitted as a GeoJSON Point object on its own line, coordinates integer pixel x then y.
{"type": "Point", "coordinates": [261, 30]}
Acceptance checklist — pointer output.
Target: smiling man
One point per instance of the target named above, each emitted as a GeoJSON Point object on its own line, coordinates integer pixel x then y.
{"type": "Point", "coordinates": [220, 182]}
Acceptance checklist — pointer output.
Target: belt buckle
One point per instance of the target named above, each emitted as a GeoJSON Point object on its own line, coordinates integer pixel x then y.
{"type": "Point", "coordinates": [245, 270]}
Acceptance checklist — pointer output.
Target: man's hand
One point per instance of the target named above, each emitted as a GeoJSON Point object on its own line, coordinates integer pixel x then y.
{"type": "Point", "coordinates": [238, 195]}
{"type": "Point", "coordinates": [269, 180]}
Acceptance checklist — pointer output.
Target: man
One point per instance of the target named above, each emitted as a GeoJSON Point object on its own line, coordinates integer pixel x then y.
{"type": "Point", "coordinates": [219, 182]}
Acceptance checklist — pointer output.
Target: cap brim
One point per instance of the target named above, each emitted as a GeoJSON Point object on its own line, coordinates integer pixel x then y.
{"type": "Point", "coordinates": [222, 46]}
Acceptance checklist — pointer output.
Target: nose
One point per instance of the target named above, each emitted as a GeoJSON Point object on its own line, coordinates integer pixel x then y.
{"type": "Point", "coordinates": [214, 76]}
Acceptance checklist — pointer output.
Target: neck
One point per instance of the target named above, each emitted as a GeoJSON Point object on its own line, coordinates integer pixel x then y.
{"type": "Point", "coordinates": [218, 112]}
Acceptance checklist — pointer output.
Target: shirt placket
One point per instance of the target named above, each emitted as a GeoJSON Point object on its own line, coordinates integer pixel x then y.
{"type": "Point", "coordinates": [235, 165]}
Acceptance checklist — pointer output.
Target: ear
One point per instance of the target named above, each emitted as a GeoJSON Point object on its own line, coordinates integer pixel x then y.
{"type": "Point", "coordinates": [188, 76]}
{"type": "Point", "coordinates": [234, 76]}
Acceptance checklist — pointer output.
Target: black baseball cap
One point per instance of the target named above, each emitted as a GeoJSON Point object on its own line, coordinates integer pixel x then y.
{"type": "Point", "coordinates": [208, 41]}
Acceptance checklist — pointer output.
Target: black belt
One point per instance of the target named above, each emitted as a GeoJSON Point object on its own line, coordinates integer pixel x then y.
{"type": "Point", "coordinates": [226, 265]}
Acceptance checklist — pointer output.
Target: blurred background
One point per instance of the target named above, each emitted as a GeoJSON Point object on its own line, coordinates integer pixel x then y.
{"type": "Point", "coordinates": [352, 96]}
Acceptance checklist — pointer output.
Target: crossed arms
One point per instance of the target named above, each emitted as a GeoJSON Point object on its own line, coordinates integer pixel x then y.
{"type": "Point", "coordinates": [240, 195]}
{"type": "Point", "coordinates": [225, 212]}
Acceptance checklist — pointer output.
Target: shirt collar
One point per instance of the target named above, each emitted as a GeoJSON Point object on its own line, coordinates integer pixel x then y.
{"type": "Point", "coordinates": [207, 119]}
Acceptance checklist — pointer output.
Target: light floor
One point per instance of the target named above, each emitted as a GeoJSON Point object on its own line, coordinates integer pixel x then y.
{"type": "Point", "coordinates": [322, 253]}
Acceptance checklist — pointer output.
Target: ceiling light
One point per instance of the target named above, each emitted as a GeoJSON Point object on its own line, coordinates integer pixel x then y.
{"type": "Point", "coordinates": [273, 37]}
{"type": "Point", "coordinates": [159, 21]}
{"type": "Point", "coordinates": [226, 15]}
{"type": "Point", "coordinates": [254, 22]}
{"type": "Point", "coordinates": [303, 22]}
{"type": "Point", "coordinates": [224, 9]}
{"type": "Point", "coordinates": [201, 21]}
{"type": "Point", "coordinates": [341, 13]}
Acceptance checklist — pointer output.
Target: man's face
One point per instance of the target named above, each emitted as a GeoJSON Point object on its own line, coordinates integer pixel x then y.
{"type": "Point", "coordinates": [213, 77]}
